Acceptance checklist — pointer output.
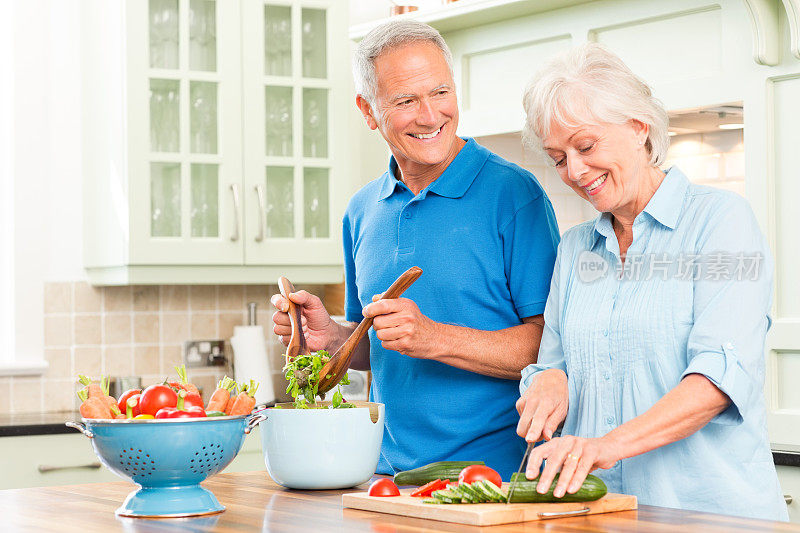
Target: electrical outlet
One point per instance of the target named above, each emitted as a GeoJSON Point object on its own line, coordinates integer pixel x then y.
{"type": "Point", "coordinates": [204, 353]}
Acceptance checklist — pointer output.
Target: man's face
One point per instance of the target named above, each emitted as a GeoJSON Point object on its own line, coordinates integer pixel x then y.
{"type": "Point", "coordinates": [417, 111]}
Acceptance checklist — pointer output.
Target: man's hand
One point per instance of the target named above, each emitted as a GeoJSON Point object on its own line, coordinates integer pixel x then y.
{"type": "Point", "coordinates": [543, 406]}
{"type": "Point", "coordinates": [319, 328]}
{"type": "Point", "coordinates": [401, 326]}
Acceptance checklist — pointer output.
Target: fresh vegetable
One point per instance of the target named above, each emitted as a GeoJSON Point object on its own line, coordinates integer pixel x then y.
{"type": "Point", "coordinates": [100, 391]}
{"type": "Point", "coordinates": [220, 398]}
{"type": "Point", "coordinates": [474, 473]}
{"type": "Point", "coordinates": [427, 489]}
{"type": "Point", "coordinates": [440, 470]}
{"type": "Point", "coordinates": [143, 417]}
{"type": "Point", "coordinates": [215, 413]}
{"type": "Point", "coordinates": [193, 399]}
{"type": "Point", "coordinates": [156, 397]}
{"type": "Point", "coordinates": [480, 491]}
{"type": "Point", "coordinates": [232, 399]}
{"type": "Point", "coordinates": [183, 384]}
{"type": "Point", "coordinates": [592, 489]}
{"type": "Point", "coordinates": [93, 407]}
{"type": "Point", "coordinates": [246, 399]}
{"type": "Point", "coordinates": [447, 496]}
{"type": "Point", "coordinates": [181, 410]}
{"type": "Point", "coordinates": [302, 373]}
{"type": "Point", "coordinates": [132, 406]}
{"type": "Point", "coordinates": [383, 488]}
{"type": "Point", "coordinates": [123, 400]}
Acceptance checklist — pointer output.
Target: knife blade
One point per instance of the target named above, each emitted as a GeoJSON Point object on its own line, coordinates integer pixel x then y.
{"type": "Point", "coordinates": [519, 470]}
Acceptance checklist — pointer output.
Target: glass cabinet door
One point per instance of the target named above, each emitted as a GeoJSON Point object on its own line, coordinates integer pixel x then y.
{"type": "Point", "coordinates": [290, 88]}
{"type": "Point", "coordinates": [191, 177]}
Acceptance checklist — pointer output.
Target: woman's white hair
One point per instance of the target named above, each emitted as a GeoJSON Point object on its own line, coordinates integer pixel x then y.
{"type": "Point", "coordinates": [591, 84]}
{"type": "Point", "coordinates": [385, 37]}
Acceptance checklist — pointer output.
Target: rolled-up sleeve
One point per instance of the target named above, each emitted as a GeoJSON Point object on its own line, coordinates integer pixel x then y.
{"type": "Point", "coordinates": [731, 308]}
{"type": "Point", "coordinates": [551, 354]}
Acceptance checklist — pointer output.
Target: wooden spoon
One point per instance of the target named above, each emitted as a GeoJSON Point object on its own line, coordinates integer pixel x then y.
{"type": "Point", "coordinates": [335, 369]}
{"type": "Point", "coordinates": [297, 342]}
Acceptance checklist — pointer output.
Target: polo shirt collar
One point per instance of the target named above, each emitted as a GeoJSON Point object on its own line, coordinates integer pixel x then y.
{"type": "Point", "coordinates": [453, 182]}
{"type": "Point", "coordinates": [665, 206]}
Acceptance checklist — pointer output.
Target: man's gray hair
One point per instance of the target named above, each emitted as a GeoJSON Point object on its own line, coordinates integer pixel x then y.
{"type": "Point", "coordinates": [383, 38]}
{"type": "Point", "coordinates": [589, 83]}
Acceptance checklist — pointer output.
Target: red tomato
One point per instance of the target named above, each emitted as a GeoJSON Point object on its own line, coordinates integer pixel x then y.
{"type": "Point", "coordinates": [156, 397]}
{"type": "Point", "coordinates": [193, 399]}
{"type": "Point", "coordinates": [123, 400]}
{"type": "Point", "coordinates": [478, 472]}
{"type": "Point", "coordinates": [383, 487]}
{"type": "Point", "coordinates": [426, 490]}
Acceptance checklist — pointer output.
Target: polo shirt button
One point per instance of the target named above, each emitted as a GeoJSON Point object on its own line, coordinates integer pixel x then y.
{"type": "Point", "coordinates": [607, 375]}
{"type": "Point", "coordinates": [610, 420]}
{"type": "Point", "coordinates": [407, 214]}
{"type": "Point", "coordinates": [605, 333]}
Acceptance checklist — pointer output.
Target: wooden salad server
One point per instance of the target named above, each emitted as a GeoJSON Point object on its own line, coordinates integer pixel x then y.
{"type": "Point", "coordinates": [335, 369]}
{"type": "Point", "coordinates": [297, 342]}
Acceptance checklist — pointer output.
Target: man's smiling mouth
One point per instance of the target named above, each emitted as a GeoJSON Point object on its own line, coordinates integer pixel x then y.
{"type": "Point", "coordinates": [430, 135]}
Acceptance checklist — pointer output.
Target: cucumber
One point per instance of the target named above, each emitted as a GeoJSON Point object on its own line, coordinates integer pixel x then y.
{"type": "Point", "coordinates": [447, 496]}
{"type": "Point", "coordinates": [592, 489]}
{"type": "Point", "coordinates": [465, 494]}
{"type": "Point", "coordinates": [491, 490]}
{"type": "Point", "coordinates": [431, 500]}
{"type": "Point", "coordinates": [440, 470]}
{"type": "Point", "coordinates": [473, 494]}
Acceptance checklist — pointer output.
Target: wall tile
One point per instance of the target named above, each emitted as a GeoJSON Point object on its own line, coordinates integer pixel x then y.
{"type": "Point", "coordinates": [58, 394]}
{"type": "Point", "coordinates": [26, 394]}
{"type": "Point", "coordinates": [118, 329]}
{"type": "Point", "coordinates": [88, 329]}
{"type": "Point", "coordinates": [57, 331]}
{"type": "Point", "coordinates": [203, 326]}
{"type": "Point", "coordinates": [230, 297]}
{"type": "Point", "coordinates": [57, 298]}
{"type": "Point", "coordinates": [203, 297]}
{"type": "Point", "coordinates": [59, 363]}
{"type": "Point", "coordinates": [146, 360]}
{"type": "Point", "coordinates": [118, 361]}
{"type": "Point", "coordinates": [227, 321]}
{"type": "Point", "coordinates": [145, 298]}
{"type": "Point", "coordinates": [206, 384]}
{"type": "Point", "coordinates": [117, 299]}
{"type": "Point", "coordinates": [88, 299]}
{"type": "Point", "coordinates": [259, 293]}
{"type": "Point", "coordinates": [175, 327]}
{"type": "Point", "coordinates": [171, 356]}
{"type": "Point", "coordinates": [146, 328]}
{"type": "Point", "coordinates": [174, 298]}
{"type": "Point", "coordinates": [88, 360]}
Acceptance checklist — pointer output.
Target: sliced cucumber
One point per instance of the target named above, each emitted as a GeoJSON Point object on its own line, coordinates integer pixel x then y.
{"type": "Point", "coordinates": [465, 494]}
{"type": "Point", "coordinates": [495, 492]}
{"type": "Point", "coordinates": [431, 500]}
{"type": "Point", "coordinates": [476, 492]}
{"type": "Point", "coordinates": [447, 496]}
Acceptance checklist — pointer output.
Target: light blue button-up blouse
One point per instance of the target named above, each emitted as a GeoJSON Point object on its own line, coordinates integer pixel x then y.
{"type": "Point", "coordinates": [693, 297]}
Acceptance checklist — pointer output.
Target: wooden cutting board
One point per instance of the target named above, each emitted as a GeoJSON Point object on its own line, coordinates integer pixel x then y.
{"type": "Point", "coordinates": [484, 514]}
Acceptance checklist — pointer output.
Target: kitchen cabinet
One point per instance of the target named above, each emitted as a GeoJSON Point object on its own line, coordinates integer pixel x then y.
{"type": "Point", "coordinates": [789, 477]}
{"type": "Point", "coordinates": [211, 152]}
{"type": "Point", "coordinates": [68, 459]}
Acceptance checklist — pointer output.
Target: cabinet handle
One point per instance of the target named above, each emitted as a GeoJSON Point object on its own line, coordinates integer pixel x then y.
{"type": "Point", "coordinates": [788, 499]}
{"type": "Point", "coordinates": [48, 468]}
{"type": "Point", "coordinates": [260, 195]}
{"type": "Point", "coordinates": [235, 192]}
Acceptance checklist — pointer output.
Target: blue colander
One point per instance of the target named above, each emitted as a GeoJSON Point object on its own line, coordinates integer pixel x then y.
{"type": "Point", "coordinates": [168, 459]}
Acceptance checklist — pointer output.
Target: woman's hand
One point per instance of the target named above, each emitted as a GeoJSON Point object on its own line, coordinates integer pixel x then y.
{"type": "Point", "coordinates": [574, 457]}
{"type": "Point", "coordinates": [543, 406]}
{"type": "Point", "coordinates": [319, 329]}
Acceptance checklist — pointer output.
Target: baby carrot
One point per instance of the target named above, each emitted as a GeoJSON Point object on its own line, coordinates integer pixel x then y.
{"type": "Point", "coordinates": [246, 399]}
{"type": "Point", "coordinates": [183, 383]}
{"type": "Point", "coordinates": [219, 400]}
{"type": "Point", "coordinates": [231, 398]}
{"type": "Point", "coordinates": [93, 407]}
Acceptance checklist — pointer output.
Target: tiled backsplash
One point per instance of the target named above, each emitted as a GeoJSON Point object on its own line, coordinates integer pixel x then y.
{"type": "Point", "coordinates": [137, 331]}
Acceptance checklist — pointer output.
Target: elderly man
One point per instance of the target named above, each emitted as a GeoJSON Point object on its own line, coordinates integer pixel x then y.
{"type": "Point", "coordinates": [445, 359]}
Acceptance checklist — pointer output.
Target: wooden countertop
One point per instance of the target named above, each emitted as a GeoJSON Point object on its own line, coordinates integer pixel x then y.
{"type": "Point", "coordinates": [255, 503]}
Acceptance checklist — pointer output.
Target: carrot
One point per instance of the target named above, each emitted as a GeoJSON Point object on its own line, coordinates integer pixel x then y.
{"type": "Point", "coordinates": [231, 398]}
{"type": "Point", "coordinates": [183, 383]}
{"type": "Point", "coordinates": [246, 399]}
{"type": "Point", "coordinates": [219, 400]}
{"type": "Point", "coordinates": [93, 407]}
{"type": "Point", "coordinates": [100, 390]}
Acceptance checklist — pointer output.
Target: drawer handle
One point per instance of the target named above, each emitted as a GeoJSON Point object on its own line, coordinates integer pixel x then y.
{"type": "Point", "coordinates": [49, 468]}
{"type": "Point", "coordinates": [788, 499]}
{"type": "Point", "coordinates": [235, 192]}
{"type": "Point", "coordinates": [261, 210]}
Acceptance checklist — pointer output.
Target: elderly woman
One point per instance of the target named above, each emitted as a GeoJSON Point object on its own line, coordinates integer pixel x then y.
{"type": "Point", "coordinates": [653, 351]}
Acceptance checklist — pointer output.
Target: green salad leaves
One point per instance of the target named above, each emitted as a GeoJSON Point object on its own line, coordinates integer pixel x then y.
{"type": "Point", "coordinates": [302, 373]}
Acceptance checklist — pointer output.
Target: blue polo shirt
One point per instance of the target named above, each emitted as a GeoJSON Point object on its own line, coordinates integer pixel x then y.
{"type": "Point", "coordinates": [485, 235]}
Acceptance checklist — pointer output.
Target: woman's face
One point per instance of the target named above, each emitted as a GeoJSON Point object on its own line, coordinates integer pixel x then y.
{"type": "Point", "coordinates": [602, 163]}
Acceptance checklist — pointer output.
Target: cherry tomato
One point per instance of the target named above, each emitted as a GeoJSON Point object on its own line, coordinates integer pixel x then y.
{"type": "Point", "coordinates": [478, 472]}
{"type": "Point", "coordinates": [383, 487]}
{"type": "Point", "coordinates": [123, 400]}
{"type": "Point", "coordinates": [156, 397]}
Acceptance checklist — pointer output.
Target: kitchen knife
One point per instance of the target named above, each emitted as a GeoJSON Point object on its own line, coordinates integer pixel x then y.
{"type": "Point", "coordinates": [521, 469]}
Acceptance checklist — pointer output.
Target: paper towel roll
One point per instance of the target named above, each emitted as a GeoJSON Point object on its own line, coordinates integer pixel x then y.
{"type": "Point", "coordinates": [250, 360]}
